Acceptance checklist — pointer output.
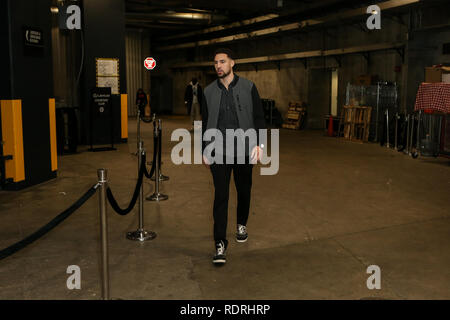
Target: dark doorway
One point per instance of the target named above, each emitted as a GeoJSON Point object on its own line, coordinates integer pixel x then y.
{"type": "Point", "coordinates": [319, 90]}
{"type": "Point", "coordinates": [161, 100]}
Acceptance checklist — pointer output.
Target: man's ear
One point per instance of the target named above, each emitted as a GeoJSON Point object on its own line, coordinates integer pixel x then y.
{"type": "Point", "coordinates": [232, 63]}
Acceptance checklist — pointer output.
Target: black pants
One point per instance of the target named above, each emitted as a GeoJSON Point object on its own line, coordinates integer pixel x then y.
{"type": "Point", "coordinates": [221, 173]}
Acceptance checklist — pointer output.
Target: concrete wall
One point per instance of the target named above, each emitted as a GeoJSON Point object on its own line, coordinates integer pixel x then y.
{"type": "Point", "coordinates": [424, 50]}
{"type": "Point", "coordinates": [289, 81]}
{"type": "Point", "coordinates": [137, 47]}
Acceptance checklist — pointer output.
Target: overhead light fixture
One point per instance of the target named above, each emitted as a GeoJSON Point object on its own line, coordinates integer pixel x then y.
{"type": "Point", "coordinates": [374, 12]}
{"type": "Point", "coordinates": [54, 10]}
{"type": "Point", "coordinates": [193, 16]}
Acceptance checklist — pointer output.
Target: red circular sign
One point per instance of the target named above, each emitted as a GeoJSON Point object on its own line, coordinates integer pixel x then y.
{"type": "Point", "coordinates": [150, 63]}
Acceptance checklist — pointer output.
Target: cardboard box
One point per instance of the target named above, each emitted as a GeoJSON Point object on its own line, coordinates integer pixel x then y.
{"type": "Point", "coordinates": [437, 74]}
{"type": "Point", "coordinates": [433, 75]}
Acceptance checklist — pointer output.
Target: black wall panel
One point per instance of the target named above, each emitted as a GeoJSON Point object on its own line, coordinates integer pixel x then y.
{"type": "Point", "coordinates": [30, 79]}
{"type": "Point", "coordinates": [104, 37]}
{"type": "Point", "coordinates": [5, 84]}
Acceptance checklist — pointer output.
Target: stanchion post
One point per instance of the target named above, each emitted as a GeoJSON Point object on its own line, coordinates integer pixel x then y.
{"type": "Point", "coordinates": [154, 130]}
{"type": "Point", "coordinates": [141, 234]}
{"type": "Point", "coordinates": [102, 181]}
{"type": "Point", "coordinates": [160, 175]}
{"type": "Point", "coordinates": [138, 130]}
{"type": "Point", "coordinates": [157, 196]}
{"type": "Point", "coordinates": [141, 191]}
{"type": "Point", "coordinates": [160, 140]}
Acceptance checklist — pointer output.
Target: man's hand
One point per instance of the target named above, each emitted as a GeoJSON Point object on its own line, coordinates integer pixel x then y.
{"type": "Point", "coordinates": [256, 154]}
{"type": "Point", "coordinates": [206, 162]}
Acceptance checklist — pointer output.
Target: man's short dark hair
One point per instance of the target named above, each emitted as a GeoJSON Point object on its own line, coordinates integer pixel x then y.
{"type": "Point", "coordinates": [227, 51]}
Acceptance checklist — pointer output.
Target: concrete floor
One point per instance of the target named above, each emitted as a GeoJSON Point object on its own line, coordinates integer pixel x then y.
{"type": "Point", "coordinates": [334, 208]}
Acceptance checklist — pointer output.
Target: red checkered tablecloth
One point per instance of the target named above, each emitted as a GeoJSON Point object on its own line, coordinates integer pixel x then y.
{"type": "Point", "coordinates": [433, 96]}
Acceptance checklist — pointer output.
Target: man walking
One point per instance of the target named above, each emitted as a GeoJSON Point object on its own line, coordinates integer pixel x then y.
{"type": "Point", "coordinates": [233, 103]}
{"type": "Point", "coordinates": [192, 99]}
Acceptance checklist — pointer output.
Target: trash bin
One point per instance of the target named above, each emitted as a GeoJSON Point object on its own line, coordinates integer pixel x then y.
{"type": "Point", "coordinates": [66, 130]}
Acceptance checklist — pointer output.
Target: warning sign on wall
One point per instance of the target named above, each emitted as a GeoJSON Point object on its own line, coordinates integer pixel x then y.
{"type": "Point", "coordinates": [149, 63]}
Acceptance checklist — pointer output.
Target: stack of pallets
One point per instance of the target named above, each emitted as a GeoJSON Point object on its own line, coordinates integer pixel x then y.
{"type": "Point", "coordinates": [296, 113]}
{"type": "Point", "coordinates": [356, 123]}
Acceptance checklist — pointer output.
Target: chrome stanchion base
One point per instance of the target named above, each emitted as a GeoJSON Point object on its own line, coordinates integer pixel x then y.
{"type": "Point", "coordinates": [161, 178]}
{"type": "Point", "coordinates": [141, 235]}
{"type": "Point", "coordinates": [157, 197]}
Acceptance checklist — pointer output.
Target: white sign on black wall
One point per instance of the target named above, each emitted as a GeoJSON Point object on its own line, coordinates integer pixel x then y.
{"type": "Point", "coordinates": [33, 37]}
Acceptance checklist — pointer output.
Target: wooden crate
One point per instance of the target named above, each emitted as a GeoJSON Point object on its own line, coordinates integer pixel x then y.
{"type": "Point", "coordinates": [294, 116]}
{"type": "Point", "coordinates": [356, 123]}
{"type": "Point", "coordinates": [290, 126]}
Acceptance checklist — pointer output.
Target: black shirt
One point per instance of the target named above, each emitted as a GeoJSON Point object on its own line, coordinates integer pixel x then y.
{"type": "Point", "coordinates": [228, 118]}
{"type": "Point", "coordinates": [227, 112]}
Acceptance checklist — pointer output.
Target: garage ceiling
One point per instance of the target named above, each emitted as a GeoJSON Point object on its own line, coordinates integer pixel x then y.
{"type": "Point", "coordinates": [178, 23]}
{"type": "Point", "coordinates": [170, 17]}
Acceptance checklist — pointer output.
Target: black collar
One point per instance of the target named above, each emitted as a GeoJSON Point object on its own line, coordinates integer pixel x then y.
{"type": "Point", "coordinates": [231, 85]}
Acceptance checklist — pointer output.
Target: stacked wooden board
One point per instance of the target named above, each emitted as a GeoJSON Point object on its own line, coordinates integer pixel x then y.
{"type": "Point", "coordinates": [296, 113]}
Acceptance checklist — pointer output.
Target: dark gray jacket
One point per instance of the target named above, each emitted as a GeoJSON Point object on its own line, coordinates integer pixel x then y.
{"type": "Point", "coordinates": [248, 104]}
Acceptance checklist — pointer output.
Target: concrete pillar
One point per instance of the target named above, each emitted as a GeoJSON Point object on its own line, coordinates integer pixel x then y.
{"type": "Point", "coordinates": [27, 77]}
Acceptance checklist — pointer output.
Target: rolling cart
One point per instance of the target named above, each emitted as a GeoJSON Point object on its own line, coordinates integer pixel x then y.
{"type": "Point", "coordinates": [432, 114]}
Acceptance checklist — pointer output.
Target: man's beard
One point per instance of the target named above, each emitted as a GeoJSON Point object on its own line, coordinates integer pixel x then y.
{"type": "Point", "coordinates": [224, 74]}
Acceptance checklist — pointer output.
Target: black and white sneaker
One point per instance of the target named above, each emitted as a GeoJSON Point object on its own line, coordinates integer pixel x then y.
{"type": "Point", "coordinates": [219, 257]}
{"type": "Point", "coordinates": [241, 234]}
